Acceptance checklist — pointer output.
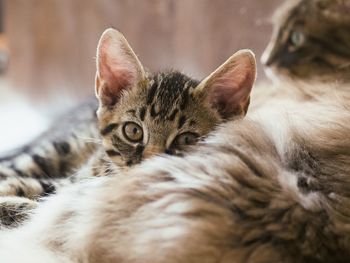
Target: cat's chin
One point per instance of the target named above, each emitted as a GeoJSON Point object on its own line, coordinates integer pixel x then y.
{"type": "Point", "coordinates": [277, 75]}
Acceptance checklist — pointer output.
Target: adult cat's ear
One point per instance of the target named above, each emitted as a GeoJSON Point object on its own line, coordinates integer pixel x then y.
{"type": "Point", "coordinates": [228, 88]}
{"type": "Point", "coordinates": [118, 68]}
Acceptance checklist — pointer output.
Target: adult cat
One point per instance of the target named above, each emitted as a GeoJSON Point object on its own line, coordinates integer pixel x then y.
{"type": "Point", "coordinates": [310, 42]}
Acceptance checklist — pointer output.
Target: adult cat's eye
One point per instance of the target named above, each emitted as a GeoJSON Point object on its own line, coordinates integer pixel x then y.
{"type": "Point", "coordinates": [186, 138]}
{"type": "Point", "coordinates": [133, 132]}
{"type": "Point", "coordinates": [297, 38]}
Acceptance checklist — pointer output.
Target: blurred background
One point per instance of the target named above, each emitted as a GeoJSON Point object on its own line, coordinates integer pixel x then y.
{"type": "Point", "coordinates": [47, 48]}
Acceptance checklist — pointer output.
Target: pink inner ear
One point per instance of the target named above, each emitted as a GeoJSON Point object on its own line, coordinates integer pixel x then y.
{"type": "Point", "coordinates": [115, 70]}
{"type": "Point", "coordinates": [230, 91]}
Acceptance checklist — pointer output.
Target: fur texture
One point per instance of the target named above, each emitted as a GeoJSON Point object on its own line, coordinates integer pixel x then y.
{"type": "Point", "coordinates": [139, 115]}
{"type": "Point", "coordinates": [269, 188]}
{"type": "Point", "coordinates": [310, 42]}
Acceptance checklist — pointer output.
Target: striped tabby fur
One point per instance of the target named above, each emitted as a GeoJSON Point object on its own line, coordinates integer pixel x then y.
{"type": "Point", "coordinates": [36, 168]}
{"type": "Point", "coordinates": [139, 115]}
{"type": "Point", "coordinates": [272, 188]}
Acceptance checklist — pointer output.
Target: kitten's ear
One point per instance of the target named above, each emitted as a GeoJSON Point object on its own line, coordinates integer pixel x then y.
{"type": "Point", "coordinates": [118, 68]}
{"type": "Point", "coordinates": [228, 88]}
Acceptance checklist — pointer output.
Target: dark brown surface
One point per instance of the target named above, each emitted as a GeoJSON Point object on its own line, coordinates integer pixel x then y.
{"type": "Point", "coordinates": [53, 42]}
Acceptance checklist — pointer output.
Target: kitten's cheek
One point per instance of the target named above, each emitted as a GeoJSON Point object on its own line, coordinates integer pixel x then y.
{"type": "Point", "coordinates": [118, 161]}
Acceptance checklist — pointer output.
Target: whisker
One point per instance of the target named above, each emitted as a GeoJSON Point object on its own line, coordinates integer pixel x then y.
{"type": "Point", "coordinates": [90, 139]}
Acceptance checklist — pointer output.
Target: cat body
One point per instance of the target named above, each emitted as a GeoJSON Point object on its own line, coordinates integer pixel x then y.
{"type": "Point", "coordinates": [269, 188]}
{"type": "Point", "coordinates": [310, 42]}
{"type": "Point", "coordinates": [49, 161]}
{"type": "Point", "coordinates": [139, 115]}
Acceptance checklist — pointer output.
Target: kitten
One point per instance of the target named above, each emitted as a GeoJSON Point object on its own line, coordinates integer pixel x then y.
{"type": "Point", "coordinates": [310, 42]}
{"type": "Point", "coordinates": [141, 115]}
{"type": "Point", "coordinates": [270, 189]}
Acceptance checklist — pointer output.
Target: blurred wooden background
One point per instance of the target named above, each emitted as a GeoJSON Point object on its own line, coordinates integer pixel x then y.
{"type": "Point", "coordinates": [52, 42]}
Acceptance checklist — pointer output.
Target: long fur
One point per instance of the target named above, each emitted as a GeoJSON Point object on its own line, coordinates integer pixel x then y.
{"type": "Point", "coordinates": [270, 188]}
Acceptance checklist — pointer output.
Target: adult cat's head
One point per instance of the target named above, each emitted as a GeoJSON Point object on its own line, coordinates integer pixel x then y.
{"type": "Point", "coordinates": [310, 41]}
{"type": "Point", "coordinates": [142, 114]}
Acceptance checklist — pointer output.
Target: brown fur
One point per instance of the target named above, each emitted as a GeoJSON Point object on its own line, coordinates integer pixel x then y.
{"type": "Point", "coordinates": [169, 109]}
{"type": "Point", "coordinates": [252, 193]}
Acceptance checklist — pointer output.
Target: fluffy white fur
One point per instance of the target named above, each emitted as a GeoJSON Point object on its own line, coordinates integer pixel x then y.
{"type": "Point", "coordinates": [143, 216]}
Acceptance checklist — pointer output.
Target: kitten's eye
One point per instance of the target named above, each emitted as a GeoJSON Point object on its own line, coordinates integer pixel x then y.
{"type": "Point", "coordinates": [186, 138]}
{"type": "Point", "coordinates": [133, 132]}
{"type": "Point", "coordinates": [297, 38]}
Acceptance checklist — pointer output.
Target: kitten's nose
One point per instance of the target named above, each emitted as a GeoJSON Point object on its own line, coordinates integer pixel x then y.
{"type": "Point", "coordinates": [152, 151]}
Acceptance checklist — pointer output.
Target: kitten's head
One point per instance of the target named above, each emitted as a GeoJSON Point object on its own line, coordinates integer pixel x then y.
{"type": "Point", "coordinates": [310, 41]}
{"type": "Point", "coordinates": [141, 115]}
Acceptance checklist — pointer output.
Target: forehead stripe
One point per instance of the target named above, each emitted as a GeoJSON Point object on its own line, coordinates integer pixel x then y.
{"type": "Point", "coordinates": [108, 129]}
{"type": "Point", "coordinates": [153, 111]}
{"type": "Point", "coordinates": [184, 99]}
{"type": "Point", "coordinates": [182, 121]}
{"type": "Point", "coordinates": [152, 92]}
{"type": "Point", "coordinates": [192, 123]}
{"type": "Point", "coordinates": [142, 113]}
{"type": "Point", "coordinates": [173, 115]}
